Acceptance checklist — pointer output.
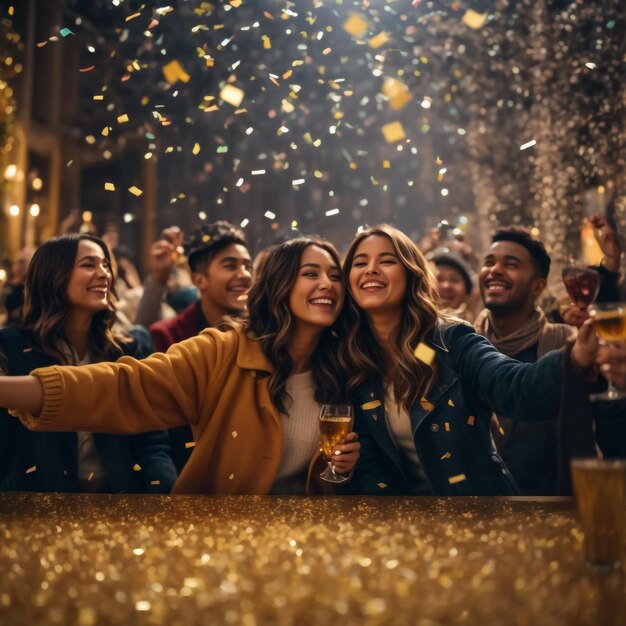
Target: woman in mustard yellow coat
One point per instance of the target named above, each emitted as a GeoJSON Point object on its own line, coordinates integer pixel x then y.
{"type": "Point", "coordinates": [251, 393]}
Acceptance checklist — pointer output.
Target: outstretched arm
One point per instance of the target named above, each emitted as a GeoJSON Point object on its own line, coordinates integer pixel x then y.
{"type": "Point", "coordinates": [21, 393]}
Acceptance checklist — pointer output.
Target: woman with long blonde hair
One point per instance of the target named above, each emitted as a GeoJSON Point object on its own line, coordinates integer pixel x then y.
{"type": "Point", "coordinates": [424, 384]}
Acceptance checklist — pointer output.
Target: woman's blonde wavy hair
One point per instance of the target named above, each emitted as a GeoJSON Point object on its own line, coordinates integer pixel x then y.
{"type": "Point", "coordinates": [362, 355]}
{"type": "Point", "coordinates": [269, 319]}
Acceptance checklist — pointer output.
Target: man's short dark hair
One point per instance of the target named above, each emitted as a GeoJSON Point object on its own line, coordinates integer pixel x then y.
{"type": "Point", "coordinates": [209, 239]}
{"type": "Point", "coordinates": [536, 249]}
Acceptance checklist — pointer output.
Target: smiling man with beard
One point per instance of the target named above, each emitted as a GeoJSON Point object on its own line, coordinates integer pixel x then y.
{"type": "Point", "coordinates": [513, 275]}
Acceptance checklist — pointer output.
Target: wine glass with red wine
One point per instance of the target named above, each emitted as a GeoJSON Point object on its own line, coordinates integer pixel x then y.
{"type": "Point", "coordinates": [582, 283]}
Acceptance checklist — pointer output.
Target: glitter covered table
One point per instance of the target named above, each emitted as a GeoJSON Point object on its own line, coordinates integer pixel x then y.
{"type": "Point", "coordinates": [93, 559]}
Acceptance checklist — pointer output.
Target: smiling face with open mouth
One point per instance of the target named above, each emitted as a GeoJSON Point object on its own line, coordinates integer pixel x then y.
{"type": "Point", "coordinates": [507, 279]}
{"type": "Point", "coordinates": [316, 296]}
{"type": "Point", "coordinates": [378, 280]}
{"type": "Point", "coordinates": [90, 280]}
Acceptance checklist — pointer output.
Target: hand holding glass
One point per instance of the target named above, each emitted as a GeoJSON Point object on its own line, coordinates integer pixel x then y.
{"type": "Point", "coordinates": [609, 320]}
{"type": "Point", "coordinates": [335, 425]}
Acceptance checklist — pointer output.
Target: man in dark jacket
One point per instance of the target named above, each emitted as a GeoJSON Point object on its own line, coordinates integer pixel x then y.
{"type": "Point", "coordinates": [513, 275]}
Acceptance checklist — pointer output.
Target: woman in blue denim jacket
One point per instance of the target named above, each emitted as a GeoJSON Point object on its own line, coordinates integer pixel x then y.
{"type": "Point", "coordinates": [424, 385]}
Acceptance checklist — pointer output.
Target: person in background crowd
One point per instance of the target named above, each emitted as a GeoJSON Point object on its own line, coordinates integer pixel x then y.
{"type": "Point", "coordinates": [167, 289]}
{"type": "Point", "coordinates": [424, 385]}
{"type": "Point", "coordinates": [220, 267]}
{"type": "Point", "coordinates": [575, 313]}
{"type": "Point", "coordinates": [514, 273]}
{"type": "Point", "coordinates": [454, 284]}
{"type": "Point", "coordinates": [13, 292]}
{"type": "Point", "coordinates": [68, 316]}
{"type": "Point", "coordinates": [252, 392]}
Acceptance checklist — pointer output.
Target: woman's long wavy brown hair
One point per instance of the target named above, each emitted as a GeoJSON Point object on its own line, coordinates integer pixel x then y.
{"type": "Point", "coordinates": [270, 320]}
{"type": "Point", "coordinates": [47, 308]}
{"type": "Point", "coordinates": [362, 355]}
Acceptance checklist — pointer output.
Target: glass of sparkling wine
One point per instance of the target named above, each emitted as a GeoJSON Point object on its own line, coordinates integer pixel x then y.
{"type": "Point", "coordinates": [609, 320]}
{"type": "Point", "coordinates": [335, 424]}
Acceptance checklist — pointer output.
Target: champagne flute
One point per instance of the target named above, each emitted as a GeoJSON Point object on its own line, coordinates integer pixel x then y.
{"type": "Point", "coordinates": [335, 424]}
{"type": "Point", "coordinates": [609, 320]}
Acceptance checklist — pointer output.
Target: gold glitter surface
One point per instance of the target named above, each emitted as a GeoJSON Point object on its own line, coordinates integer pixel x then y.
{"type": "Point", "coordinates": [184, 560]}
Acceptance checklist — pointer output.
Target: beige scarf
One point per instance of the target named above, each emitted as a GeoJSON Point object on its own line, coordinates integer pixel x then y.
{"type": "Point", "coordinates": [537, 330]}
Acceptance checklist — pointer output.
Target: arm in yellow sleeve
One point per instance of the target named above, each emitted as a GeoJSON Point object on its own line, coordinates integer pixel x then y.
{"type": "Point", "coordinates": [128, 396]}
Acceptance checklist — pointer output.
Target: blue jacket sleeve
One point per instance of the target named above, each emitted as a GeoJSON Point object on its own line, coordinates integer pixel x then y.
{"type": "Point", "coordinates": [524, 391]}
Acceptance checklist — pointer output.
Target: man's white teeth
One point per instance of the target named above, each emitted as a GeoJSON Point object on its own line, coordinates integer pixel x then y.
{"type": "Point", "coordinates": [321, 301]}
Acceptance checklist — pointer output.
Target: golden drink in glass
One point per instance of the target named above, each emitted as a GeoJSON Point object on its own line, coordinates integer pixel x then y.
{"type": "Point", "coordinates": [333, 430]}
{"type": "Point", "coordinates": [335, 424]}
{"type": "Point", "coordinates": [600, 490]}
{"type": "Point", "coordinates": [609, 320]}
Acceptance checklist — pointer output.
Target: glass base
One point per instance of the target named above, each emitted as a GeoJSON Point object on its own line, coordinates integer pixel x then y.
{"type": "Point", "coordinates": [330, 476]}
{"type": "Point", "coordinates": [608, 396]}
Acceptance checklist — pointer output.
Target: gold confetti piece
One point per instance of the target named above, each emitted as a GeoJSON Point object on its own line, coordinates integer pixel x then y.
{"type": "Point", "coordinates": [132, 17]}
{"type": "Point", "coordinates": [447, 455]}
{"type": "Point", "coordinates": [501, 430]}
{"type": "Point", "coordinates": [234, 434]}
{"type": "Point", "coordinates": [382, 485]}
{"type": "Point", "coordinates": [137, 467]}
{"type": "Point", "coordinates": [235, 3]}
{"type": "Point", "coordinates": [190, 444]}
{"type": "Point", "coordinates": [378, 40]}
{"type": "Point", "coordinates": [32, 469]}
{"type": "Point", "coordinates": [87, 69]}
{"type": "Point", "coordinates": [90, 476]}
{"type": "Point", "coordinates": [424, 353]}
{"type": "Point", "coordinates": [446, 425]}
{"type": "Point", "coordinates": [450, 403]}
{"type": "Point", "coordinates": [397, 93]}
{"type": "Point", "coordinates": [41, 44]}
{"type": "Point", "coordinates": [374, 404]}
{"type": "Point", "coordinates": [386, 164]}
{"type": "Point", "coordinates": [155, 482]}
{"type": "Point", "coordinates": [122, 118]}
{"type": "Point", "coordinates": [231, 477]}
{"type": "Point", "coordinates": [473, 19]}
{"type": "Point", "coordinates": [98, 97]}
{"type": "Point", "coordinates": [231, 94]}
{"type": "Point", "coordinates": [174, 71]}
{"type": "Point", "coordinates": [326, 51]}
{"type": "Point", "coordinates": [355, 25]}
{"type": "Point", "coordinates": [196, 148]}
{"type": "Point", "coordinates": [393, 132]}
{"type": "Point", "coordinates": [426, 405]}
{"type": "Point", "coordinates": [471, 420]}
{"type": "Point", "coordinates": [105, 131]}
{"type": "Point", "coordinates": [267, 42]}
{"type": "Point", "coordinates": [109, 187]}
{"type": "Point", "coordinates": [25, 350]}
{"type": "Point", "coordinates": [135, 190]}
{"type": "Point", "coordinates": [459, 478]}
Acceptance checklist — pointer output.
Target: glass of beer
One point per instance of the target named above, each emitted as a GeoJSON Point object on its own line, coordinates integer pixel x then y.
{"type": "Point", "coordinates": [600, 490]}
{"type": "Point", "coordinates": [335, 424]}
{"type": "Point", "coordinates": [609, 320]}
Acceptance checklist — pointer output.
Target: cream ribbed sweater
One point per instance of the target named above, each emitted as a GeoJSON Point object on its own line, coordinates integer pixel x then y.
{"type": "Point", "coordinates": [301, 435]}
